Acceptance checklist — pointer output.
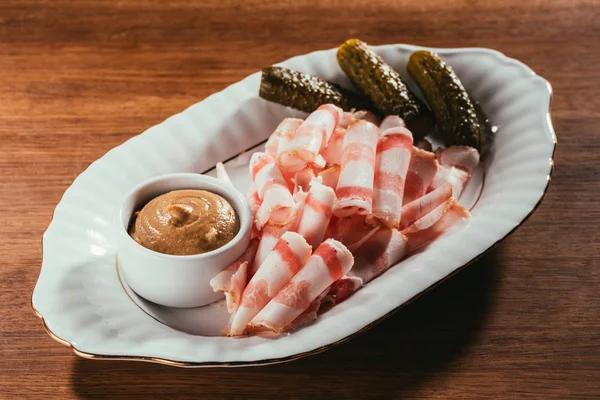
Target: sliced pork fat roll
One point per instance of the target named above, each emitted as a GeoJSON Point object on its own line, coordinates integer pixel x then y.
{"type": "Point", "coordinates": [277, 203]}
{"type": "Point", "coordinates": [463, 157]}
{"type": "Point", "coordinates": [394, 150]}
{"type": "Point", "coordinates": [354, 190]}
{"type": "Point", "coordinates": [287, 127]}
{"type": "Point", "coordinates": [287, 257]}
{"type": "Point", "coordinates": [456, 165]}
{"type": "Point", "coordinates": [232, 280]}
{"type": "Point", "coordinates": [330, 176]}
{"type": "Point", "coordinates": [253, 199]}
{"type": "Point", "coordinates": [316, 213]}
{"type": "Point", "coordinates": [296, 151]}
{"type": "Point", "coordinates": [421, 171]}
{"type": "Point", "coordinates": [383, 249]}
{"type": "Point", "coordinates": [270, 234]}
{"type": "Point", "coordinates": [422, 206]}
{"type": "Point", "coordinates": [455, 177]}
{"type": "Point", "coordinates": [435, 224]}
{"type": "Point", "coordinates": [329, 263]}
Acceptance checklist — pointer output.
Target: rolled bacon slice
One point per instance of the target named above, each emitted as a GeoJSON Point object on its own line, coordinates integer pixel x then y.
{"type": "Point", "coordinates": [421, 171]}
{"type": "Point", "coordinates": [434, 224]}
{"type": "Point", "coordinates": [253, 199]}
{"type": "Point", "coordinates": [391, 121]}
{"type": "Point", "coordinates": [308, 315]}
{"type": "Point", "coordinates": [455, 177]}
{"type": "Point", "coordinates": [456, 165]}
{"type": "Point", "coordinates": [269, 237]}
{"type": "Point", "coordinates": [422, 206]}
{"type": "Point", "coordinates": [287, 127]}
{"type": "Point", "coordinates": [367, 116]}
{"type": "Point", "coordinates": [303, 179]}
{"type": "Point", "coordinates": [387, 247]}
{"type": "Point", "coordinates": [463, 157]}
{"type": "Point", "coordinates": [330, 176]}
{"type": "Point", "coordinates": [350, 231]}
{"type": "Point", "coordinates": [277, 204]}
{"type": "Point", "coordinates": [316, 213]}
{"type": "Point", "coordinates": [394, 150]}
{"type": "Point", "coordinates": [232, 280]}
{"type": "Point", "coordinates": [354, 191]}
{"type": "Point", "coordinates": [332, 153]}
{"type": "Point", "coordinates": [340, 291]}
{"type": "Point", "coordinates": [384, 249]}
{"type": "Point", "coordinates": [297, 151]}
{"type": "Point", "coordinates": [287, 257]}
{"type": "Point", "coordinates": [270, 234]}
{"type": "Point", "coordinates": [329, 263]}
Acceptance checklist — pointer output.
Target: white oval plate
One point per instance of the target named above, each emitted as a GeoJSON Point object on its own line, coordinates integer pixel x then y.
{"type": "Point", "coordinates": [83, 304]}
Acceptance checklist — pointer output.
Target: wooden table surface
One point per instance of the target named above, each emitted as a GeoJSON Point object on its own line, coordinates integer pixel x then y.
{"type": "Point", "coordinates": [80, 77]}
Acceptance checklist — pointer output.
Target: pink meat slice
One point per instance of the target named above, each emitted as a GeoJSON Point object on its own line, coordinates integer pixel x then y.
{"type": "Point", "coordinates": [340, 291]}
{"type": "Point", "coordinates": [457, 178]}
{"type": "Point", "coordinates": [422, 206]}
{"type": "Point", "coordinates": [277, 203]}
{"type": "Point", "coordinates": [383, 250]}
{"type": "Point", "coordinates": [354, 191]}
{"type": "Point", "coordinates": [309, 315]}
{"type": "Point", "coordinates": [296, 151]}
{"type": "Point", "coordinates": [349, 230]}
{"type": "Point", "coordinates": [232, 280]}
{"type": "Point", "coordinates": [394, 150]}
{"type": "Point", "coordinates": [316, 213]}
{"type": "Point", "coordinates": [287, 257]}
{"type": "Point", "coordinates": [367, 116]}
{"type": "Point", "coordinates": [456, 166]}
{"type": "Point", "coordinates": [434, 224]}
{"type": "Point", "coordinates": [303, 178]}
{"type": "Point", "coordinates": [287, 127]}
{"type": "Point", "coordinates": [270, 234]}
{"type": "Point", "coordinates": [332, 153]}
{"type": "Point", "coordinates": [387, 247]}
{"type": "Point", "coordinates": [421, 171]}
{"type": "Point", "coordinates": [329, 263]}
{"type": "Point", "coordinates": [330, 176]}
{"type": "Point", "coordinates": [253, 199]}
{"type": "Point", "coordinates": [391, 121]}
{"type": "Point", "coordinates": [463, 157]}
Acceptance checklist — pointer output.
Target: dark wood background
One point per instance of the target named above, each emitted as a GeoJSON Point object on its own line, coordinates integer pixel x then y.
{"type": "Point", "coordinates": [80, 77]}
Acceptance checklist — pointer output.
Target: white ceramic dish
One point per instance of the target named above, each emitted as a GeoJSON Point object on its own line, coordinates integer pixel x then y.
{"type": "Point", "coordinates": [83, 304]}
{"type": "Point", "coordinates": [177, 281]}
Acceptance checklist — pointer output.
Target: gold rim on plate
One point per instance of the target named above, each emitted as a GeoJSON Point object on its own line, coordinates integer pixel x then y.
{"type": "Point", "coordinates": [321, 349]}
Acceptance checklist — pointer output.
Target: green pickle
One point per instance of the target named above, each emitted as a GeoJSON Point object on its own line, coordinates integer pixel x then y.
{"type": "Point", "coordinates": [455, 112]}
{"type": "Point", "coordinates": [306, 92]}
{"type": "Point", "coordinates": [383, 86]}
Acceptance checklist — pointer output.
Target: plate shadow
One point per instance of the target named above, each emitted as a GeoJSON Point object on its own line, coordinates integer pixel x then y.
{"type": "Point", "coordinates": [395, 358]}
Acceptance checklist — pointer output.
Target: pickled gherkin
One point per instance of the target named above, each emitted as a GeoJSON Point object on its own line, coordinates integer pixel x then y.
{"type": "Point", "coordinates": [383, 86]}
{"type": "Point", "coordinates": [452, 107]}
{"type": "Point", "coordinates": [306, 92]}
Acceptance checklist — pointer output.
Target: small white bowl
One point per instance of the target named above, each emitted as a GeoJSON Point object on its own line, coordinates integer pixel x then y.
{"type": "Point", "coordinates": [174, 280]}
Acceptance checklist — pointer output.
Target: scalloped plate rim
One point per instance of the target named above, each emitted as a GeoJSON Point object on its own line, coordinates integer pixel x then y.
{"type": "Point", "coordinates": [549, 128]}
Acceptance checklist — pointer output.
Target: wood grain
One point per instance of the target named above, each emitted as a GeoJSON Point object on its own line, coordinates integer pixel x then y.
{"type": "Point", "coordinates": [80, 77]}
